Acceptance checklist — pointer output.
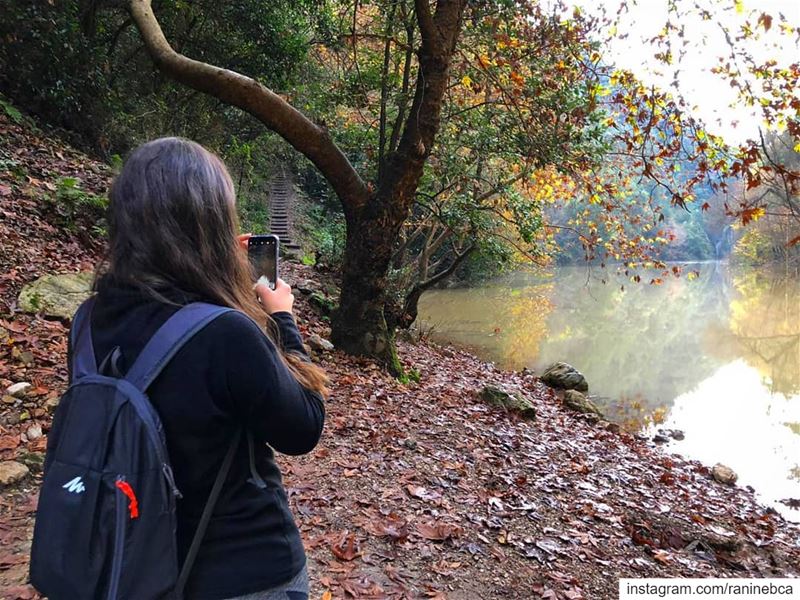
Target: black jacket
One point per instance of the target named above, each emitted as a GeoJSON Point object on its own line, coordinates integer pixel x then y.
{"type": "Point", "coordinates": [229, 374]}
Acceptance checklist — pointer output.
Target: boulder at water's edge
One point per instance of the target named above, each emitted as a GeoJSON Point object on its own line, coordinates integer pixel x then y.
{"type": "Point", "coordinates": [564, 377]}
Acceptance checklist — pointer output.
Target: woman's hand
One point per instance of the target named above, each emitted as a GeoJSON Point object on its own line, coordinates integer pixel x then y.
{"type": "Point", "coordinates": [243, 239]}
{"type": "Point", "coordinates": [277, 300]}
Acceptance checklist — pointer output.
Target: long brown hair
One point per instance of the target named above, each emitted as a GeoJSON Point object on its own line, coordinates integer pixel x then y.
{"type": "Point", "coordinates": [173, 224]}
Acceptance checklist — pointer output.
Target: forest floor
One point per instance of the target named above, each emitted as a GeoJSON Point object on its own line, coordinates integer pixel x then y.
{"type": "Point", "coordinates": [417, 490]}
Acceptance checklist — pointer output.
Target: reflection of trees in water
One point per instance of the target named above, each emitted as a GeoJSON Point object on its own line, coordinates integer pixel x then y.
{"type": "Point", "coordinates": [765, 326]}
{"type": "Point", "coordinates": [642, 346]}
{"type": "Point", "coordinates": [504, 323]}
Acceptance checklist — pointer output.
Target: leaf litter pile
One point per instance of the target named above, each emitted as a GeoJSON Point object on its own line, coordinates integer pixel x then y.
{"type": "Point", "coordinates": [419, 489]}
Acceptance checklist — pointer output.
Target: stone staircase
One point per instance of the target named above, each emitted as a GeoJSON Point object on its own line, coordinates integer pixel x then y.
{"type": "Point", "coordinates": [281, 202]}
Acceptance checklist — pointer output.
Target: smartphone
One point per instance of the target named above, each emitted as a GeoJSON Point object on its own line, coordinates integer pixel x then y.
{"type": "Point", "coordinates": [262, 250]}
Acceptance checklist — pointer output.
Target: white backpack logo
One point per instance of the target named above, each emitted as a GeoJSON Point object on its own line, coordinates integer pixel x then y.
{"type": "Point", "coordinates": [75, 486]}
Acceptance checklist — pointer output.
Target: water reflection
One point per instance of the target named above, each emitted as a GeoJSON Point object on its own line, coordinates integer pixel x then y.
{"type": "Point", "coordinates": [718, 357]}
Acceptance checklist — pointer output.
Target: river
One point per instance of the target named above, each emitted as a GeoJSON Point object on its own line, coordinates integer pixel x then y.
{"type": "Point", "coordinates": [717, 357]}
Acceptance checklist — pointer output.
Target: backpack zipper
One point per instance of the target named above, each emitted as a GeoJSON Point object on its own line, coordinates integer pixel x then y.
{"type": "Point", "coordinates": [119, 542]}
{"type": "Point", "coordinates": [167, 470]}
{"type": "Point", "coordinates": [148, 415]}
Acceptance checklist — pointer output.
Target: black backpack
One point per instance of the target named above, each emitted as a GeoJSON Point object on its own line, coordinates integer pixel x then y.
{"type": "Point", "coordinates": [105, 523]}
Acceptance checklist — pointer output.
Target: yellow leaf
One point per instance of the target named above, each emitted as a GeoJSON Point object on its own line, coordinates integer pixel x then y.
{"type": "Point", "coordinates": [326, 595]}
{"type": "Point", "coordinates": [739, 6]}
{"type": "Point", "coordinates": [796, 147]}
{"type": "Point", "coordinates": [466, 81]}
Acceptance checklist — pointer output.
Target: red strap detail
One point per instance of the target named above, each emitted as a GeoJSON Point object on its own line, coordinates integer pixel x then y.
{"type": "Point", "coordinates": [126, 489]}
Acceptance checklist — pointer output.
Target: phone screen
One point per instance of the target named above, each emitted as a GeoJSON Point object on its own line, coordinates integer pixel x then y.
{"type": "Point", "coordinates": [263, 254]}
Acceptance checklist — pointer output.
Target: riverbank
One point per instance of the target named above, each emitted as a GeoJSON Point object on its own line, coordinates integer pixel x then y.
{"type": "Point", "coordinates": [417, 489]}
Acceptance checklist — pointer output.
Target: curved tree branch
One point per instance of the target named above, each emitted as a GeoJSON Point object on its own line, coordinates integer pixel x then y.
{"type": "Point", "coordinates": [274, 112]}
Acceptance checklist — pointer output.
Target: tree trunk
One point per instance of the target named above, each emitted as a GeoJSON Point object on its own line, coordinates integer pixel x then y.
{"type": "Point", "coordinates": [359, 325]}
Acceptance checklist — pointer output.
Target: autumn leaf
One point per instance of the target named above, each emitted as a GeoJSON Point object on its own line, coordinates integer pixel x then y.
{"type": "Point", "coordinates": [8, 442]}
{"type": "Point", "coordinates": [393, 527]}
{"type": "Point", "coordinates": [752, 214]}
{"type": "Point", "coordinates": [346, 547]}
{"type": "Point", "coordinates": [418, 491]}
{"type": "Point", "coordinates": [662, 557]}
{"type": "Point", "coordinates": [438, 531]}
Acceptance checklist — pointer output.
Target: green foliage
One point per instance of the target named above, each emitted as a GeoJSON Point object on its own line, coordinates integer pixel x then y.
{"type": "Point", "coordinates": [253, 214]}
{"type": "Point", "coordinates": [325, 231]}
{"type": "Point", "coordinates": [11, 167]}
{"type": "Point", "coordinates": [12, 112]}
{"type": "Point", "coordinates": [72, 205]}
{"type": "Point", "coordinates": [411, 375]}
{"type": "Point", "coordinates": [754, 248]}
{"type": "Point", "coordinates": [82, 64]}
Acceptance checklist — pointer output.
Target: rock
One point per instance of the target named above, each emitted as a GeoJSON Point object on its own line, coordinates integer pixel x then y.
{"type": "Point", "coordinates": [34, 432]}
{"type": "Point", "coordinates": [10, 399]}
{"type": "Point", "coordinates": [12, 472]}
{"type": "Point", "coordinates": [24, 357]}
{"type": "Point", "coordinates": [580, 403]}
{"type": "Point", "coordinates": [305, 286]}
{"type": "Point", "coordinates": [564, 377]}
{"type": "Point", "coordinates": [9, 418]}
{"type": "Point", "coordinates": [56, 295]}
{"type": "Point", "coordinates": [4, 336]}
{"type": "Point", "coordinates": [612, 427]}
{"type": "Point", "coordinates": [675, 434]}
{"type": "Point", "coordinates": [722, 539]}
{"type": "Point", "coordinates": [19, 390]}
{"type": "Point", "coordinates": [410, 443]}
{"type": "Point", "coordinates": [723, 474]}
{"type": "Point", "coordinates": [51, 404]}
{"type": "Point", "coordinates": [660, 438]}
{"type": "Point", "coordinates": [319, 343]}
{"type": "Point", "coordinates": [33, 460]}
{"type": "Point", "coordinates": [511, 401]}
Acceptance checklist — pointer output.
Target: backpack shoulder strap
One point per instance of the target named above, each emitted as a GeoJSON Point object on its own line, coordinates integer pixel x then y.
{"type": "Point", "coordinates": [169, 339]}
{"type": "Point", "coordinates": [83, 359]}
{"type": "Point", "coordinates": [208, 510]}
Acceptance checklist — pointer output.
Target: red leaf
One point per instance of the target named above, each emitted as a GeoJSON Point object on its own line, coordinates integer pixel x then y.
{"type": "Point", "coordinates": [346, 547]}
{"type": "Point", "coordinates": [394, 527]}
{"type": "Point", "coordinates": [7, 442]}
{"type": "Point", "coordinates": [438, 531]}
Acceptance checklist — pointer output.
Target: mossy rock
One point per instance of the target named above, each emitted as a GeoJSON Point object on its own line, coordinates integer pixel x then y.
{"type": "Point", "coordinates": [511, 401]}
{"type": "Point", "coordinates": [57, 295]}
{"type": "Point", "coordinates": [580, 403]}
{"type": "Point", "coordinates": [563, 376]}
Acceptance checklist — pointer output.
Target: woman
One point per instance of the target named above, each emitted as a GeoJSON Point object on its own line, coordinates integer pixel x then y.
{"type": "Point", "coordinates": [173, 240]}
